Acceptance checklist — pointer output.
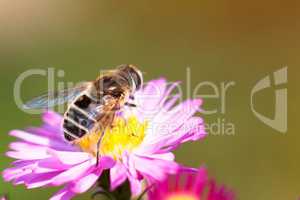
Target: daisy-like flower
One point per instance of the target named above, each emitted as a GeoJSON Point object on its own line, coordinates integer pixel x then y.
{"type": "Point", "coordinates": [189, 184]}
{"type": "Point", "coordinates": [138, 147]}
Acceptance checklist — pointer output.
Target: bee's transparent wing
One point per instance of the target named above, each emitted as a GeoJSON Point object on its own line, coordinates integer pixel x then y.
{"type": "Point", "coordinates": [53, 98]}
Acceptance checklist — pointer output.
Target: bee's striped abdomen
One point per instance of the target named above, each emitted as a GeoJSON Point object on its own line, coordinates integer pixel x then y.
{"type": "Point", "coordinates": [77, 120]}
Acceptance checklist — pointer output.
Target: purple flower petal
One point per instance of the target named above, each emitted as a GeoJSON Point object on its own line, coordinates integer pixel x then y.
{"type": "Point", "coordinates": [128, 163]}
{"type": "Point", "coordinates": [63, 194]}
{"type": "Point", "coordinates": [155, 168]}
{"type": "Point", "coordinates": [135, 185]}
{"type": "Point", "coordinates": [52, 163]}
{"type": "Point", "coordinates": [164, 142]}
{"type": "Point", "coordinates": [162, 156]}
{"type": "Point", "coordinates": [73, 173]}
{"type": "Point", "coordinates": [86, 182]}
{"type": "Point", "coordinates": [13, 173]}
{"type": "Point", "coordinates": [167, 105]}
{"type": "Point", "coordinates": [200, 181]}
{"type": "Point", "coordinates": [48, 131]}
{"type": "Point", "coordinates": [178, 115]}
{"type": "Point", "coordinates": [150, 97]}
{"type": "Point", "coordinates": [153, 93]}
{"type": "Point", "coordinates": [39, 180]}
{"type": "Point", "coordinates": [106, 162]}
{"type": "Point", "coordinates": [35, 139]}
{"type": "Point", "coordinates": [186, 132]}
{"type": "Point", "coordinates": [70, 158]}
{"type": "Point", "coordinates": [26, 156]}
{"type": "Point", "coordinates": [52, 118]}
{"type": "Point", "coordinates": [118, 175]}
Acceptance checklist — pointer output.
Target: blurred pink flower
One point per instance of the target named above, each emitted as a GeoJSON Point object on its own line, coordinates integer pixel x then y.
{"type": "Point", "coordinates": [142, 149]}
{"type": "Point", "coordinates": [189, 184]}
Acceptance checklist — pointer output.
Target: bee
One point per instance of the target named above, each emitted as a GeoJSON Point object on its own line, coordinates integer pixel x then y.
{"type": "Point", "coordinates": [93, 106]}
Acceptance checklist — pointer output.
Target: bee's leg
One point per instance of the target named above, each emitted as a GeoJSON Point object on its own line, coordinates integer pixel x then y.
{"type": "Point", "coordinates": [130, 104]}
{"type": "Point", "coordinates": [98, 149]}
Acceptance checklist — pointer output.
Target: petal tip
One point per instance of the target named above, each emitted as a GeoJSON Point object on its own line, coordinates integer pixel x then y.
{"type": "Point", "coordinates": [198, 101]}
{"type": "Point", "coordinates": [13, 132]}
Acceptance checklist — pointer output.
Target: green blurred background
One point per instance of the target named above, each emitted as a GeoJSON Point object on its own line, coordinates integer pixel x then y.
{"type": "Point", "coordinates": [221, 41]}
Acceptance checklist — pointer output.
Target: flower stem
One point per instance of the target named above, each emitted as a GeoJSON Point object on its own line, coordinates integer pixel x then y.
{"type": "Point", "coordinates": [120, 193]}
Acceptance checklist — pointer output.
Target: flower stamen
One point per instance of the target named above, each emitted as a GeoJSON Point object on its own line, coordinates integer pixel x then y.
{"type": "Point", "coordinates": [125, 135]}
{"type": "Point", "coordinates": [182, 196]}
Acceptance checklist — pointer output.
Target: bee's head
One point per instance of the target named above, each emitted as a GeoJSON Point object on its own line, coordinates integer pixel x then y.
{"type": "Point", "coordinates": [133, 75]}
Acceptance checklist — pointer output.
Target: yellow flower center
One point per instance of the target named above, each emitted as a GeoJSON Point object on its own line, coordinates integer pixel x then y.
{"type": "Point", "coordinates": [182, 196]}
{"type": "Point", "coordinates": [125, 135]}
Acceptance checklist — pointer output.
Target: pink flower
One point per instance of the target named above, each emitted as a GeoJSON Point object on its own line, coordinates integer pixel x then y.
{"type": "Point", "coordinates": [189, 184]}
{"type": "Point", "coordinates": [138, 147]}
